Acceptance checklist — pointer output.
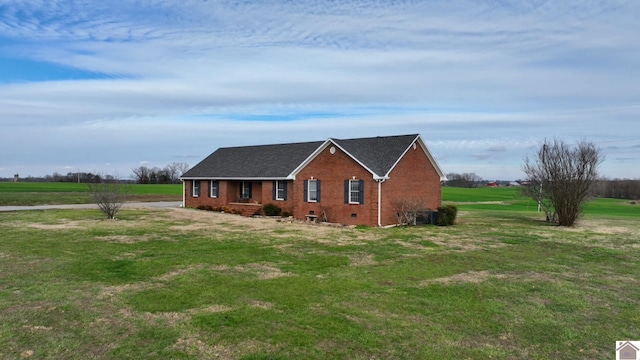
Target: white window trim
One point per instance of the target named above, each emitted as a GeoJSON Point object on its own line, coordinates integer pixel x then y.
{"type": "Point", "coordinates": [243, 194]}
{"type": "Point", "coordinates": [211, 192]}
{"type": "Point", "coordinates": [280, 196]}
{"type": "Point", "coordinates": [314, 181]}
{"type": "Point", "coordinates": [351, 191]}
{"type": "Point", "coordinates": [193, 188]}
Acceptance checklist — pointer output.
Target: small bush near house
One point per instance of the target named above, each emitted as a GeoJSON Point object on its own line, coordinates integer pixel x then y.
{"type": "Point", "coordinates": [447, 215]}
{"type": "Point", "coordinates": [205, 207]}
{"type": "Point", "coordinates": [271, 210]}
{"type": "Point", "coordinates": [286, 214]}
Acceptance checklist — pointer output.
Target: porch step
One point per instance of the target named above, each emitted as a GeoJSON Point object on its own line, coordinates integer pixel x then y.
{"type": "Point", "coordinates": [251, 210]}
{"type": "Point", "coordinates": [247, 210]}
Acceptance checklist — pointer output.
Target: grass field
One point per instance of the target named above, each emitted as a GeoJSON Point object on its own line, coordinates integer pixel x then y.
{"type": "Point", "coordinates": [508, 199]}
{"type": "Point", "coordinates": [35, 193]}
{"type": "Point", "coordinates": [189, 284]}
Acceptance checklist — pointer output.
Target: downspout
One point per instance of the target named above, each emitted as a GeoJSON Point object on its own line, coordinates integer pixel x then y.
{"type": "Point", "coordinates": [183, 194]}
{"type": "Point", "coordinates": [380, 181]}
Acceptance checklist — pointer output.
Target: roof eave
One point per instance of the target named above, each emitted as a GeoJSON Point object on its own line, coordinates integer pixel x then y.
{"type": "Point", "coordinates": [234, 178]}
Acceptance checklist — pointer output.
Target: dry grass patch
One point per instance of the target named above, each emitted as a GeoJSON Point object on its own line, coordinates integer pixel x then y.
{"type": "Point", "coordinates": [124, 239]}
{"type": "Point", "coordinates": [261, 304]}
{"type": "Point", "coordinates": [109, 292]}
{"type": "Point", "coordinates": [362, 260]}
{"type": "Point", "coordinates": [263, 271]}
{"type": "Point", "coordinates": [65, 224]}
{"type": "Point", "coordinates": [475, 277]}
{"type": "Point", "coordinates": [464, 243]}
{"type": "Point", "coordinates": [203, 350]}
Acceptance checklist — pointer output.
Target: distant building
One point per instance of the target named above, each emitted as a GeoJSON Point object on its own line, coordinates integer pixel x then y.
{"type": "Point", "coordinates": [16, 177]}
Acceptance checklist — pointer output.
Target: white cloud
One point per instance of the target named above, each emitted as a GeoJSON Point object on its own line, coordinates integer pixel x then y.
{"type": "Point", "coordinates": [175, 79]}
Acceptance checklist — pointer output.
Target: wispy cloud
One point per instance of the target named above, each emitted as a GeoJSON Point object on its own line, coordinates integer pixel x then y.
{"type": "Point", "coordinates": [480, 79]}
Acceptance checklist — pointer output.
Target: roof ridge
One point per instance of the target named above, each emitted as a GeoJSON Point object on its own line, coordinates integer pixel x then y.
{"type": "Point", "coordinates": [376, 137]}
{"type": "Point", "coordinates": [273, 144]}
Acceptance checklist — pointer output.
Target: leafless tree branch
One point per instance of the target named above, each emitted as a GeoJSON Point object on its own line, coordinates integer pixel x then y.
{"type": "Point", "coordinates": [560, 178]}
{"type": "Point", "coordinates": [109, 195]}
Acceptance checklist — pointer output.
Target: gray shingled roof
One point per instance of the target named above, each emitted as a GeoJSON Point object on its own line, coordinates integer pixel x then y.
{"type": "Point", "coordinates": [262, 161]}
{"type": "Point", "coordinates": [378, 154]}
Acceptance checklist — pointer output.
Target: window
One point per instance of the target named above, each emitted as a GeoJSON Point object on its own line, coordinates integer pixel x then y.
{"type": "Point", "coordinates": [245, 190]}
{"type": "Point", "coordinates": [312, 190]}
{"type": "Point", "coordinates": [354, 191]}
{"type": "Point", "coordinates": [279, 190]}
{"type": "Point", "coordinates": [195, 188]}
{"type": "Point", "coordinates": [215, 189]}
{"type": "Point", "coordinates": [312, 194]}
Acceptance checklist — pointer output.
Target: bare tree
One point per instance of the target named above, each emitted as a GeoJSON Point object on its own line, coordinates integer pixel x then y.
{"type": "Point", "coordinates": [109, 195]}
{"type": "Point", "coordinates": [175, 170]}
{"type": "Point", "coordinates": [561, 177]}
{"type": "Point", "coordinates": [408, 210]}
{"type": "Point", "coordinates": [141, 174]}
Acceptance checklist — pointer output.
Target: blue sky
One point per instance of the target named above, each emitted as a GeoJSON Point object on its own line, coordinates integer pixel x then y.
{"type": "Point", "coordinates": [103, 87]}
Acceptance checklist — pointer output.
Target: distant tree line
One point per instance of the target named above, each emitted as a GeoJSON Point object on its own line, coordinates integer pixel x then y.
{"type": "Point", "coordinates": [76, 177]}
{"type": "Point", "coordinates": [617, 189]}
{"type": "Point", "coordinates": [464, 180]}
{"type": "Point", "coordinates": [170, 174]}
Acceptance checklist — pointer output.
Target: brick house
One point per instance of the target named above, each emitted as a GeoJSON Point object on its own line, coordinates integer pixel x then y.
{"type": "Point", "coordinates": [352, 181]}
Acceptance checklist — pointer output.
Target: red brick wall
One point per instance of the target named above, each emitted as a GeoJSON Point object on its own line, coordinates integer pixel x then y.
{"type": "Point", "coordinates": [332, 170]}
{"type": "Point", "coordinates": [229, 191]}
{"type": "Point", "coordinates": [267, 196]}
{"type": "Point", "coordinates": [204, 198]}
{"type": "Point", "coordinates": [414, 178]}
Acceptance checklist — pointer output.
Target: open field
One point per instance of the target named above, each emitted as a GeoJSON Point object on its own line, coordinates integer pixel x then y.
{"type": "Point", "coordinates": [508, 199]}
{"type": "Point", "coordinates": [188, 284]}
{"type": "Point", "coordinates": [46, 193]}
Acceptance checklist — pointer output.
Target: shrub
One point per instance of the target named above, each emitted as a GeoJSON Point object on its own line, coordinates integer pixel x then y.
{"type": "Point", "coordinates": [271, 210]}
{"type": "Point", "coordinates": [409, 210]}
{"type": "Point", "coordinates": [286, 214]}
{"type": "Point", "coordinates": [447, 215]}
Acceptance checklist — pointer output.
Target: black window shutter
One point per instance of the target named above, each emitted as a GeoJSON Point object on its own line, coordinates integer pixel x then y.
{"type": "Point", "coordinates": [346, 191]}
{"type": "Point", "coordinates": [250, 190]}
{"type": "Point", "coordinates": [284, 195]}
{"type": "Point", "coordinates": [361, 194]}
{"type": "Point", "coordinates": [306, 191]}
{"type": "Point", "coordinates": [275, 190]}
{"type": "Point", "coordinates": [318, 190]}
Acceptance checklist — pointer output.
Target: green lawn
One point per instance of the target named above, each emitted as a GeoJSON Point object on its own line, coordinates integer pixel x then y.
{"type": "Point", "coordinates": [508, 199]}
{"type": "Point", "coordinates": [189, 284]}
{"type": "Point", "coordinates": [36, 193]}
